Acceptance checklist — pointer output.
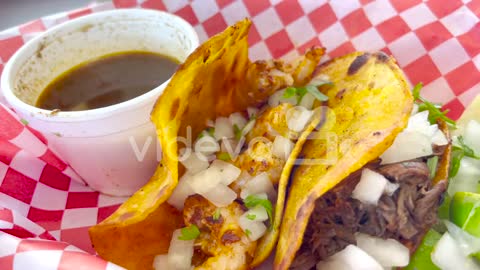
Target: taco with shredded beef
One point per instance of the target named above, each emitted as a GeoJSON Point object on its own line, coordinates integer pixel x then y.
{"type": "Point", "coordinates": [230, 131]}
{"type": "Point", "coordinates": [372, 176]}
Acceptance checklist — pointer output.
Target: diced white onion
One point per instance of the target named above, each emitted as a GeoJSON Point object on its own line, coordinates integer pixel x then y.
{"type": "Point", "coordinates": [253, 229]}
{"type": "Point", "coordinates": [228, 172]}
{"type": "Point", "coordinates": [467, 243]}
{"type": "Point", "coordinates": [206, 145]}
{"type": "Point", "coordinates": [220, 196]}
{"type": "Point", "coordinates": [387, 252]}
{"type": "Point", "coordinates": [258, 212]}
{"type": "Point", "coordinates": [297, 118]}
{"type": "Point", "coordinates": [180, 252]}
{"type": "Point", "coordinates": [195, 162]}
{"type": "Point", "coordinates": [181, 192]}
{"type": "Point", "coordinates": [407, 145]}
{"type": "Point", "coordinates": [370, 188]}
{"type": "Point", "coordinates": [414, 109]}
{"type": "Point", "coordinates": [277, 98]}
{"type": "Point", "coordinates": [232, 147]}
{"type": "Point", "coordinates": [319, 79]}
{"type": "Point", "coordinates": [210, 123]}
{"type": "Point", "coordinates": [206, 180]}
{"type": "Point", "coordinates": [259, 184]}
{"type": "Point", "coordinates": [350, 258]}
{"type": "Point", "coordinates": [439, 138]}
{"type": "Point", "coordinates": [160, 262]}
{"type": "Point", "coordinates": [390, 188]}
{"type": "Point", "coordinates": [447, 255]}
{"type": "Point", "coordinates": [415, 141]}
{"type": "Point", "coordinates": [252, 112]}
{"type": "Point", "coordinates": [472, 135]}
{"type": "Point", "coordinates": [282, 147]}
{"type": "Point", "coordinates": [307, 101]}
{"type": "Point", "coordinates": [466, 178]}
{"type": "Point", "coordinates": [223, 128]}
{"type": "Point", "coordinates": [238, 120]}
{"type": "Point", "coordinates": [243, 179]}
{"type": "Point", "coordinates": [248, 127]}
{"type": "Point", "coordinates": [419, 123]}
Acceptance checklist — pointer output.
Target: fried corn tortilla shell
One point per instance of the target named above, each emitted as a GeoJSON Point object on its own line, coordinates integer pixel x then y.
{"type": "Point", "coordinates": [215, 80]}
{"type": "Point", "coordinates": [369, 104]}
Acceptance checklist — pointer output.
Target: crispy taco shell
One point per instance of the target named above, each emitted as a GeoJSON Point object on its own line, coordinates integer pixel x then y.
{"type": "Point", "coordinates": [369, 104]}
{"type": "Point", "coordinates": [215, 80]}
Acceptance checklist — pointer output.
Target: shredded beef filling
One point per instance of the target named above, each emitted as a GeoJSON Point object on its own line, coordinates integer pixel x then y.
{"type": "Point", "coordinates": [403, 216]}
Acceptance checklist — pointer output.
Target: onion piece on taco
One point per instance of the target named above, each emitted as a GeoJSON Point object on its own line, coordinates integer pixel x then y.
{"type": "Point", "coordinates": [372, 176]}
{"type": "Point", "coordinates": [230, 131]}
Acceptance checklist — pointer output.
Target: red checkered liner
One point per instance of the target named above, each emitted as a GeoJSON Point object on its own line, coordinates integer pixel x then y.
{"type": "Point", "coordinates": [46, 207]}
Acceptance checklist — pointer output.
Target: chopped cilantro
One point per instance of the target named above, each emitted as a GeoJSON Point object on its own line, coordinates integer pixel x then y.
{"type": "Point", "coordinates": [460, 151]}
{"type": "Point", "coordinates": [224, 156]}
{"type": "Point", "coordinates": [317, 94]}
{"type": "Point", "coordinates": [216, 215]}
{"type": "Point", "coordinates": [211, 131]}
{"type": "Point", "coordinates": [242, 132]}
{"type": "Point", "coordinates": [251, 216]}
{"type": "Point", "coordinates": [201, 135]}
{"type": "Point", "coordinates": [434, 110]}
{"type": "Point", "coordinates": [189, 233]}
{"type": "Point", "coordinates": [432, 165]}
{"type": "Point", "coordinates": [465, 148]}
{"type": "Point", "coordinates": [25, 122]}
{"type": "Point", "coordinates": [248, 232]}
{"type": "Point", "coordinates": [290, 92]}
{"type": "Point", "coordinates": [237, 131]}
{"type": "Point", "coordinates": [253, 200]}
{"type": "Point", "coordinates": [301, 91]}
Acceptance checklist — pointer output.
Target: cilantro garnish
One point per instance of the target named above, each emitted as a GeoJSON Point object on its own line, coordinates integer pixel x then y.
{"type": "Point", "coordinates": [237, 131]}
{"type": "Point", "coordinates": [248, 232]}
{"type": "Point", "coordinates": [189, 233]}
{"type": "Point", "coordinates": [301, 91]}
{"type": "Point", "coordinates": [434, 110]}
{"type": "Point", "coordinates": [290, 92]}
{"type": "Point", "coordinates": [224, 156]}
{"type": "Point", "coordinates": [216, 215]}
{"type": "Point", "coordinates": [251, 216]}
{"type": "Point", "coordinates": [253, 200]}
{"type": "Point", "coordinates": [460, 151]}
{"type": "Point", "coordinates": [211, 131]}
{"type": "Point", "coordinates": [432, 165]}
{"type": "Point", "coordinates": [25, 122]}
{"type": "Point", "coordinates": [468, 152]}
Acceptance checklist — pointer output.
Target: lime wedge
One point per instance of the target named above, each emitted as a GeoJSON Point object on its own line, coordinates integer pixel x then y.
{"type": "Point", "coordinates": [465, 212]}
{"type": "Point", "coordinates": [421, 259]}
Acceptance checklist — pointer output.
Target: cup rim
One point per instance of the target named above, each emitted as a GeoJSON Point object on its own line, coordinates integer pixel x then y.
{"type": "Point", "coordinates": [7, 79]}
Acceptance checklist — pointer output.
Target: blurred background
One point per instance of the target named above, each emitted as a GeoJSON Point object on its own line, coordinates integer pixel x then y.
{"type": "Point", "coordinates": [15, 12]}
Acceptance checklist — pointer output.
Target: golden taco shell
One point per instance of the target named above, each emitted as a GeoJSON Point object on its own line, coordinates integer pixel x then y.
{"type": "Point", "coordinates": [215, 80]}
{"type": "Point", "coordinates": [369, 104]}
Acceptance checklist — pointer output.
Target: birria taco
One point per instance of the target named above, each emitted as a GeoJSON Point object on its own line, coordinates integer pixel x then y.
{"type": "Point", "coordinates": [372, 176]}
{"type": "Point", "coordinates": [230, 130]}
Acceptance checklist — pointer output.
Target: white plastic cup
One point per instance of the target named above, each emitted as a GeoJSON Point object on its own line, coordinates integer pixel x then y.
{"type": "Point", "coordinates": [112, 148]}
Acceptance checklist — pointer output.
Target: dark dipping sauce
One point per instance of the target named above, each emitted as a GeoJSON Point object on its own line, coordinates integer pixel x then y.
{"type": "Point", "coordinates": [107, 81]}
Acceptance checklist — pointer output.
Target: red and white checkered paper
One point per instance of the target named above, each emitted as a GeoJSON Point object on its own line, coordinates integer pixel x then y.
{"type": "Point", "coordinates": [45, 210]}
